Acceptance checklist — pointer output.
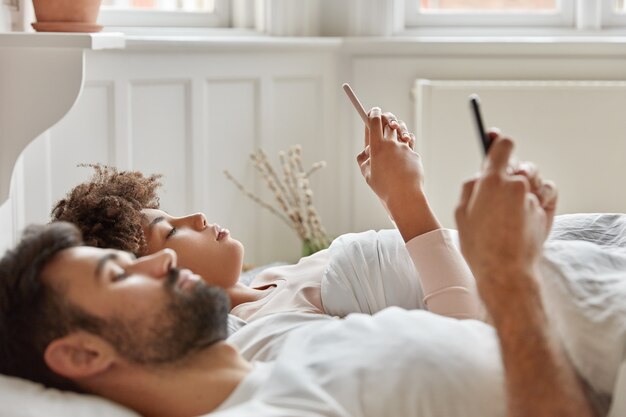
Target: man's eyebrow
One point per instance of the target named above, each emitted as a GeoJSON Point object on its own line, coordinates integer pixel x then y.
{"type": "Point", "coordinates": [102, 261]}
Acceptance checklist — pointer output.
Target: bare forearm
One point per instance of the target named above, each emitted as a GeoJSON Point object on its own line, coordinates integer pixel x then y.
{"type": "Point", "coordinates": [413, 215]}
{"type": "Point", "coordinates": [540, 380]}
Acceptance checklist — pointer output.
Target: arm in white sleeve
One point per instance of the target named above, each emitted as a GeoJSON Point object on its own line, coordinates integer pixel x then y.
{"type": "Point", "coordinates": [448, 284]}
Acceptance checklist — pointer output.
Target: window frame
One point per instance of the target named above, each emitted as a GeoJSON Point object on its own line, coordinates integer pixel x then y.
{"type": "Point", "coordinates": [414, 18]}
{"type": "Point", "coordinates": [218, 18]}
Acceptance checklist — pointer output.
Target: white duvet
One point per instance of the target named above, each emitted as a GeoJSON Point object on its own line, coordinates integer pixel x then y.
{"type": "Point", "coordinates": [584, 289]}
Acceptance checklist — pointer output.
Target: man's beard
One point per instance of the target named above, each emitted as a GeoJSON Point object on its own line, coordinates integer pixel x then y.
{"type": "Point", "coordinates": [190, 322]}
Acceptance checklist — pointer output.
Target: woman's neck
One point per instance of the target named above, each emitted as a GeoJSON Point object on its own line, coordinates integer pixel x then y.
{"type": "Point", "coordinates": [241, 293]}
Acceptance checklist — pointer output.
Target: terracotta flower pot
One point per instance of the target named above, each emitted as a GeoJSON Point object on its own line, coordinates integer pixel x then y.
{"type": "Point", "coordinates": [67, 15]}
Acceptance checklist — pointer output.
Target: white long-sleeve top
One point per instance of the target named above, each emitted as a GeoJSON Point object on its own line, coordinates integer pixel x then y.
{"type": "Point", "coordinates": [367, 272]}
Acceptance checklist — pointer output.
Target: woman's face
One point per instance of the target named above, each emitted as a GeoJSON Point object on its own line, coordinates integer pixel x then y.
{"type": "Point", "coordinates": [206, 249]}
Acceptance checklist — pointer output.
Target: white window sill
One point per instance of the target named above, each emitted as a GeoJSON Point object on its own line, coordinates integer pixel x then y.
{"type": "Point", "coordinates": [183, 32]}
{"type": "Point", "coordinates": [572, 43]}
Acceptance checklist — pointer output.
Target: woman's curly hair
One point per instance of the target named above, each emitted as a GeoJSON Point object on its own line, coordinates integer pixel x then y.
{"type": "Point", "coordinates": [107, 208]}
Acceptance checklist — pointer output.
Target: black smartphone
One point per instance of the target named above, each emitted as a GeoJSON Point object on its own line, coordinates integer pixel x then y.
{"type": "Point", "coordinates": [478, 119]}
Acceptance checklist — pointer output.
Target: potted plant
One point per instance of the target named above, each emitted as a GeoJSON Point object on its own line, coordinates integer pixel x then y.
{"type": "Point", "coordinates": [66, 15]}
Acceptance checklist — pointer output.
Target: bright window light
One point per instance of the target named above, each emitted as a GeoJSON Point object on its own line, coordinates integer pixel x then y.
{"type": "Point", "coordinates": [489, 5]}
{"type": "Point", "coordinates": [162, 5]}
{"type": "Point", "coordinates": [490, 13]}
{"type": "Point", "coordinates": [165, 13]}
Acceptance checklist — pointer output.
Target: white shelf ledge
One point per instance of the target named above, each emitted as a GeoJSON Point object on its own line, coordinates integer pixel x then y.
{"type": "Point", "coordinates": [90, 41]}
{"type": "Point", "coordinates": [41, 77]}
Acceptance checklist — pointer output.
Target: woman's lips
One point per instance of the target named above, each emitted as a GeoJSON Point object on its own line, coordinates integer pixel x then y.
{"type": "Point", "coordinates": [221, 233]}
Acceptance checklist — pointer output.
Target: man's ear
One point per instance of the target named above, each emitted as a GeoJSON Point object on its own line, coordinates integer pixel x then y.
{"type": "Point", "coordinates": [79, 355]}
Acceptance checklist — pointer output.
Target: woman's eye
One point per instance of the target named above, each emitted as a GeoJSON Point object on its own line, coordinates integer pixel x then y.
{"type": "Point", "coordinates": [171, 233]}
{"type": "Point", "coordinates": [120, 276]}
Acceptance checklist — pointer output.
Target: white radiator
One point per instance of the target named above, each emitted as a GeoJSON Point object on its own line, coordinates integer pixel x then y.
{"type": "Point", "coordinates": [575, 131]}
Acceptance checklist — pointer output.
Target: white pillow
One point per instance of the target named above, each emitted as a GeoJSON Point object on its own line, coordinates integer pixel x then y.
{"type": "Point", "coordinates": [605, 229]}
{"type": "Point", "coordinates": [584, 291]}
{"type": "Point", "coordinates": [21, 398]}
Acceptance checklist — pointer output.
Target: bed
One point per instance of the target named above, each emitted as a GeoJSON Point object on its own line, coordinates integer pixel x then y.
{"type": "Point", "coordinates": [584, 272]}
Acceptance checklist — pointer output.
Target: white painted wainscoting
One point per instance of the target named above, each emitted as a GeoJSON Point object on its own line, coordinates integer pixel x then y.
{"type": "Point", "coordinates": [190, 109]}
{"type": "Point", "coordinates": [189, 117]}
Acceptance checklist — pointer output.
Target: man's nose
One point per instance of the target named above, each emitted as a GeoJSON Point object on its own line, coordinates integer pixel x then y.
{"type": "Point", "coordinates": [157, 264]}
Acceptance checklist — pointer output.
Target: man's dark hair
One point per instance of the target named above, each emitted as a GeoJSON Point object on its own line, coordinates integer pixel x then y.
{"type": "Point", "coordinates": [32, 314]}
{"type": "Point", "coordinates": [107, 208]}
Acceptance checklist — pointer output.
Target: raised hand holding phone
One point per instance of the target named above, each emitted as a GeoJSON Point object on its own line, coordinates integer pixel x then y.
{"type": "Point", "coordinates": [394, 171]}
{"type": "Point", "coordinates": [398, 127]}
{"type": "Point", "coordinates": [545, 191]}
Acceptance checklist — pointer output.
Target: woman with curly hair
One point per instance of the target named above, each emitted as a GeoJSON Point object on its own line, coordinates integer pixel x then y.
{"type": "Point", "coordinates": [363, 272]}
{"type": "Point", "coordinates": [108, 207]}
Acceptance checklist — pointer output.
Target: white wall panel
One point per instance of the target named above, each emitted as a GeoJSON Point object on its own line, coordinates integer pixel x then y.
{"type": "Point", "coordinates": [6, 226]}
{"type": "Point", "coordinates": [160, 126]}
{"type": "Point", "coordinates": [574, 131]}
{"type": "Point", "coordinates": [297, 105]}
{"type": "Point", "coordinates": [11, 212]}
{"type": "Point", "coordinates": [37, 189]}
{"type": "Point", "coordinates": [50, 162]}
{"type": "Point", "coordinates": [297, 118]}
{"type": "Point", "coordinates": [83, 136]}
{"type": "Point", "coordinates": [231, 133]}
{"type": "Point", "coordinates": [5, 17]}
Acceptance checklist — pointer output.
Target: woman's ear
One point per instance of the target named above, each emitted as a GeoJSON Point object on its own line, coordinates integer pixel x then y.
{"type": "Point", "coordinates": [79, 355]}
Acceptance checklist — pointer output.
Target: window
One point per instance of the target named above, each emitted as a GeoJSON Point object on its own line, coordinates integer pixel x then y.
{"type": "Point", "coordinates": [494, 13]}
{"type": "Point", "coordinates": [613, 13]}
{"type": "Point", "coordinates": [164, 13]}
{"type": "Point", "coordinates": [490, 5]}
{"type": "Point", "coordinates": [436, 16]}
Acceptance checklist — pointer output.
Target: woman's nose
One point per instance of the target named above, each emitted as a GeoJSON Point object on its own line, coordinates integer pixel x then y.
{"type": "Point", "coordinates": [199, 221]}
{"type": "Point", "coordinates": [158, 264]}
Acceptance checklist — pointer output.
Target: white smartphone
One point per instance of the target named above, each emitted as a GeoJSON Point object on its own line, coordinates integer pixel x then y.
{"type": "Point", "coordinates": [356, 103]}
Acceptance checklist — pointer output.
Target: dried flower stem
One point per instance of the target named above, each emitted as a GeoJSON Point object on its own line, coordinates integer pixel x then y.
{"type": "Point", "coordinates": [292, 194]}
{"type": "Point", "coordinates": [289, 179]}
{"type": "Point", "coordinates": [315, 167]}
